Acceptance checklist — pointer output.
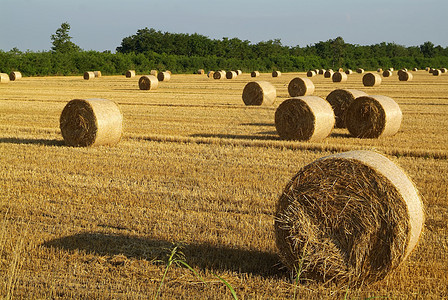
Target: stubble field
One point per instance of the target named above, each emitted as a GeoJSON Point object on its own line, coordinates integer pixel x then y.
{"type": "Point", "coordinates": [196, 169]}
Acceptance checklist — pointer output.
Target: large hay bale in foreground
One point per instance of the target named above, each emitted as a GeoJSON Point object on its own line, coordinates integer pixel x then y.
{"type": "Point", "coordinates": [130, 73]}
{"type": "Point", "coordinates": [231, 74]}
{"type": "Point", "coordinates": [305, 118]}
{"type": "Point", "coordinates": [340, 100]}
{"type": "Point", "coordinates": [148, 82]}
{"type": "Point", "coordinates": [254, 74]}
{"type": "Point", "coordinates": [373, 117]}
{"type": "Point", "coordinates": [328, 73]}
{"type": "Point", "coordinates": [4, 78]}
{"type": "Point", "coordinates": [348, 218]}
{"type": "Point", "coordinates": [276, 74]}
{"type": "Point", "coordinates": [91, 122]}
{"type": "Point", "coordinates": [339, 77]}
{"type": "Point", "coordinates": [300, 87]}
{"type": "Point", "coordinates": [405, 76]}
{"type": "Point", "coordinates": [164, 76]}
{"type": "Point", "coordinates": [371, 79]}
{"type": "Point", "coordinates": [259, 93]}
{"type": "Point", "coordinates": [89, 75]}
{"type": "Point", "coordinates": [97, 73]}
{"type": "Point", "coordinates": [15, 75]}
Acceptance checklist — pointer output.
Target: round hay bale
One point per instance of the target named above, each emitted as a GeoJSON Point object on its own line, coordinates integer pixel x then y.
{"type": "Point", "coordinates": [436, 72]}
{"type": "Point", "coordinates": [219, 75]}
{"type": "Point", "coordinates": [373, 117]}
{"type": "Point", "coordinates": [340, 70]}
{"type": "Point", "coordinates": [348, 218]}
{"type": "Point", "coordinates": [322, 71]}
{"type": "Point", "coordinates": [97, 73]}
{"type": "Point", "coordinates": [148, 82]}
{"type": "Point", "coordinates": [259, 93]}
{"type": "Point", "coordinates": [201, 71]}
{"type": "Point", "coordinates": [276, 74]}
{"type": "Point", "coordinates": [371, 79]}
{"type": "Point", "coordinates": [360, 71]}
{"type": "Point", "coordinates": [311, 73]}
{"type": "Point", "coordinates": [89, 75]}
{"type": "Point", "coordinates": [391, 69]}
{"type": "Point", "coordinates": [210, 74]}
{"type": "Point", "coordinates": [380, 70]}
{"type": "Point", "coordinates": [328, 73]}
{"type": "Point", "coordinates": [443, 70]}
{"type": "Point", "coordinates": [130, 73]}
{"type": "Point", "coordinates": [15, 75]}
{"type": "Point", "coordinates": [4, 78]}
{"type": "Point", "coordinates": [340, 100]}
{"type": "Point", "coordinates": [305, 118]}
{"type": "Point", "coordinates": [387, 73]}
{"type": "Point", "coordinates": [231, 75]}
{"type": "Point", "coordinates": [239, 72]}
{"type": "Point", "coordinates": [300, 87]}
{"type": "Point", "coordinates": [254, 74]}
{"type": "Point", "coordinates": [339, 77]}
{"type": "Point", "coordinates": [153, 73]}
{"type": "Point", "coordinates": [348, 71]}
{"type": "Point", "coordinates": [91, 122]}
{"type": "Point", "coordinates": [164, 76]}
{"type": "Point", "coordinates": [415, 69]}
{"type": "Point", "coordinates": [405, 76]}
{"type": "Point", "coordinates": [427, 69]}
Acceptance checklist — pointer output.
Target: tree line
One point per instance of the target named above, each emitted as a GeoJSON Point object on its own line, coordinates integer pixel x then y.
{"type": "Point", "coordinates": [186, 53]}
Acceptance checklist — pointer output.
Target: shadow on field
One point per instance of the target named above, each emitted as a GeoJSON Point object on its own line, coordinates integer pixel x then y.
{"type": "Point", "coordinates": [257, 124]}
{"type": "Point", "coordinates": [341, 135]}
{"type": "Point", "coordinates": [202, 256]}
{"type": "Point", "coordinates": [266, 136]}
{"type": "Point", "coordinates": [32, 141]}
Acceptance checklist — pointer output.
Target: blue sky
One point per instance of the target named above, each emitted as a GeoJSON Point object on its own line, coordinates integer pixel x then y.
{"type": "Point", "coordinates": [102, 24]}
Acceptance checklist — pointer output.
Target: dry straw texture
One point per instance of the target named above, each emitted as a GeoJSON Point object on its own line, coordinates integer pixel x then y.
{"type": "Point", "coordinates": [322, 71]}
{"type": "Point", "coordinates": [259, 93]}
{"type": "Point", "coordinates": [153, 72]}
{"type": "Point", "coordinates": [164, 76]}
{"type": "Point", "coordinates": [311, 73]}
{"type": "Point", "coordinates": [443, 70]}
{"type": "Point", "coordinates": [436, 72]}
{"type": "Point", "coordinates": [239, 72]}
{"type": "Point", "coordinates": [130, 73]}
{"type": "Point", "coordinates": [340, 100]}
{"type": "Point", "coordinates": [89, 75]}
{"type": "Point", "coordinates": [359, 70]}
{"type": "Point", "coordinates": [328, 73]}
{"type": "Point", "coordinates": [15, 75]}
{"type": "Point", "coordinates": [231, 74]}
{"type": "Point", "coordinates": [210, 74]}
{"type": "Point", "coordinates": [339, 77]}
{"type": "Point", "coordinates": [415, 69]}
{"type": "Point", "coordinates": [148, 82]}
{"type": "Point", "coordinates": [371, 79]}
{"type": "Point", "coordinates": [373, 117]}
{"type": "Point", "coordinates": [305, 118]}
{"type": "Point", "coordinates": [219, 75]}
{"type": "Point", "coordinates": [351, 217]}
{"type": "Point", "coordinates": [380, 70]}
{"type": "Point", "coordinates": [276, 74]}
{"type": "Point", "coordinates": [405, 76]}
{"type": "Point", "coordinates": [254, 74]}
{"type": "Point", "coordinates": [300, 87]}
{"type": "Point", "coordinates": [97, 73]}
{"type": "Point", "coordinates": [4, 78]}
{"type": "Point", "coordinates": [387, 73]}
{"type": "Point", "coordinates": [91, 122]}
{"type": "Point", "coordinates": [348, 71]}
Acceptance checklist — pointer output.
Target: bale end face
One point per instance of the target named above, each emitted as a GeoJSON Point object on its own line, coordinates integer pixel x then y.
{"type": "Point", "coordinates": [89, 75]}
{"type": "Point", "coordinates": [148, 82]}
{"type": "Point", "coordinates": [254, 74]}
{"type": "Point", "coordinates": [340, 100]}
{"type": "Point", "coordinates": [300, 87]}
{"type": "Point", "coordinates": [130, 73]}
{"type": "Point", "coordinates": [371, 79]}
{"type": "Point", "coordinates": [259, 93]}
{"type": "Point", "coordinates": [339, 77]}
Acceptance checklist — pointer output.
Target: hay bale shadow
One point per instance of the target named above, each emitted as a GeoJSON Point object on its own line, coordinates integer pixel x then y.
{"type": "Point", "coordinates": [263, 137]}
{"type": "Point", "coordinates": [28, 141]}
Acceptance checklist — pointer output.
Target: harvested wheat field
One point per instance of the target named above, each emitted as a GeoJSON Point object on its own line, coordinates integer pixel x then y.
{"type": "Point", "coordinates": [198, 170]}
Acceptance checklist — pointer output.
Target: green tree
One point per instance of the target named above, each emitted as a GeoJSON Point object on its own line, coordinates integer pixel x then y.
{"type": "Point", "coordinates": [62, 40]}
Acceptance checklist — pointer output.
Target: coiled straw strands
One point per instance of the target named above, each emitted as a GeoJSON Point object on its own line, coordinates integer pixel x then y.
{"type": "Point", "coordinates": [89, 75]}
{"type": "Point", "coordinates": [436, 72]}
{"type": "Point", "coordinates": [276, 74]}
{"type": "Point", "coordinates": [405, 76]}
{"type": "Point", "coordinates": [300, 87]}
{"type": "Point", "coordinates": [339, 77]}
{"type": "Point", "coordinates": [91, 122]}
{"type": "Point", "coordinates": [231, 74]}
{"type": "Point", "coordinates": [351, 217]}
{"type": "Point", "coordinates": [130, 73]}
{"type": "Point", "coordinates": [148, 82]}
{"type": "Point", "coordinates": [311, 73]}
{"type": "Point", "coordinates": [359, 70]}
{"type": "Point", "coordinates": [15, 75]}
{"type": "Point", "coordinates": [371, 79]}
{"type": "Point", "coordinates": [328, 73]}
{"type": "Point", "coordinates": [219, 75]}
{"type": "Point", "coordinates": [340, 100]}
{"type": "Point", "coordinates": [373, 117]}
{"type": "Point", "coordinates": [387, 73]}
{"type": "Point", "coordinates": [259, 93]}
{"type": "Point", "coordinates": [305, 118]}
{"type": "Point", "coordinates": [254, 74]}
{"type": "Point", "coordinates": [164, 76]}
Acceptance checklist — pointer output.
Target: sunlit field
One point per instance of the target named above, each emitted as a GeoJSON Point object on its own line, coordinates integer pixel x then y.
{"type": "Point", "coordinates": [199, 170]}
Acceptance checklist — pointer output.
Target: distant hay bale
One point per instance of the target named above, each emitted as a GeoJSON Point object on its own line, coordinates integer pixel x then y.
{"type": "Point", "coordinates": [373, 117]}
{"type": "Point", "coordinates": [431, 70]}
{"type": "Point", "coordinates": [210, 74]}
{"type": "Point", "coordinates": [443, 70]}
{"type": "Point", "coordinates": [348, 71]}
{"type": "Point", "coordinates": [348, 218]}
{"type": "Point", "coordinates": [399, 72]}
{"type": "Point", "coordinates": [300, 87]}
{"type": "Point", "coordinates": [130, 73]}
{"type": "Point", "coordinates": [322, 71]}
{"type": "Point", "coordinates": [436, 72]}
{"type": "Point", "coordinates": [97, 73]}
{"type": "Point", "coordinates": [4, 78]}
{"type": "Point", "coordinates": [201, 71]}
{"type": "Point", "coordinates": [415, 69]}
{"type": "Point", "coordinates": [231, 74]}
{"type": "Point", "coordinates": [340, 100]}
{"type": "Point", "coordinates": [91, 122]}
{"type": "Point", "coordinates": [169, 72]}
{"type": "Point", "coordinates": [380, 70]}
{"type": "Point", "coordinates": [164, 76]}
{"type": "Point", "coordinates": [15, 75]}
{"type": "Point", "coordinates": [387, 73]}
{"type": "Point", "coordinates": [89, 75]}
{"type": "Point", "coordinates": [311, 73]}
{"type": "Point", "coordinates": [239, 72]}
{"type": "Point", "coordinates": [339, 77]}
{"type": "Point", "coordinates": [305, 118]}
{"type": "Point", "coordinates": [276, 74]}
{"type": "Point", "coordinates": [340, 70]}
{"type": "Point", "coordinates": [148, 82]}
{"type": "Point", "coordinates": [219, 75]}
{"type": "Point", "coordinates": [360, 71]}
{"type": "Point", "coordinates": [371, 79]}
{"type": "Point", "coordinates": [254, 74]}
{"type": "Point", "coordinates": [328, 73]}
{"type": "Point", "coordinates": [153, 73]}
{"type": "Point", "coordinates": [259, 93]}
{"type": "Point", "coordinates": [427, 69]}
{"type": "Point", "coordinates": [405, 76]}
{"type": "Point", "coordinates": [391, 69]}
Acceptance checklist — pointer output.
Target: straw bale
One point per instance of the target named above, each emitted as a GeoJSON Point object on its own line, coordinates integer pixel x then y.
{"type": "Point", "coordinates": [201, 71]}
{"type": "Point", "coordinates": [97, 73]}
{"type": "Point", "coordinates": [391, 69]}
{"type": "Point", "coordinates": [339, 77]}
{"type": "Point", "coordinates": [130, 73]}
{"type": "Point", "coordinates": [15, 75]}
{"type": "Point", "coordinates": [239, 72]}
{"type": "Point", "coordinates": [431, 70]}
{"type": "Point", "coordinates": [328, 74]}
{"type": "Point", "coordinates": [415, 69]}
{"type": "Point", "coordinates": [436, 72]}
{"type": "Point", "coordinates": [231, 74]}
{"type": "Point", "coordinates": [405, 76]}
{"type": "Point", "coordinates": [340, 70]}
{"type": "Point", "coordinates": [91, 122]}
{"type": "Point", "coordinates": [164, 76]}
{"type": "Point", "coordinates": [360, 71]}
{"type": "Point", "coordinates": [89, 75]}
{"type": "Point", "coordinates": [373, 117]}
{"type": "Point", "coordinates": [148, 82]}
{"type": "Point", "coordinates": [371, 79]}
{"type": "Point", "coordinates": [305, 118]}
{"type": "Point", "coordinates": [427, 69]}
{"type": "Point", "coordinates": [387, 73]}
{"type": "Point", "coordinates": [210, 74]}
{"type": "Point", "coordinates": [311, 73]}
{"type": "Point", "coordinates": [219, 74]}
{"type": "Point", "coordinates": [443, 70]}
{"type": "Point", "coordinates": [322, 71]}
{"type": "Point", "coordinates": [380, 70]}
{"type": "Point", "coordinates": [254, 74]}
{"type": "Point", "coordinates": [153, 72]}
{"type": "Point", "coordinates": [259, 93]}
{"type": "Point", "coordinates": [340, 100]}
{"type": "Point", "coordinates": [300, 87]}
{"type": "Point", "coordinates": [348, 71]}
{"type": "Point", "coordinates": [4, 78]}
{"type": "Point", "coordinates": [348, 218]}
{"type": "Point", "coordinates": [276, 74]}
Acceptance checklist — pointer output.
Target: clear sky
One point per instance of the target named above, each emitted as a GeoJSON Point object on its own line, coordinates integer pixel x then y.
{"type": "Point", "coordinates": [102, 24]}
